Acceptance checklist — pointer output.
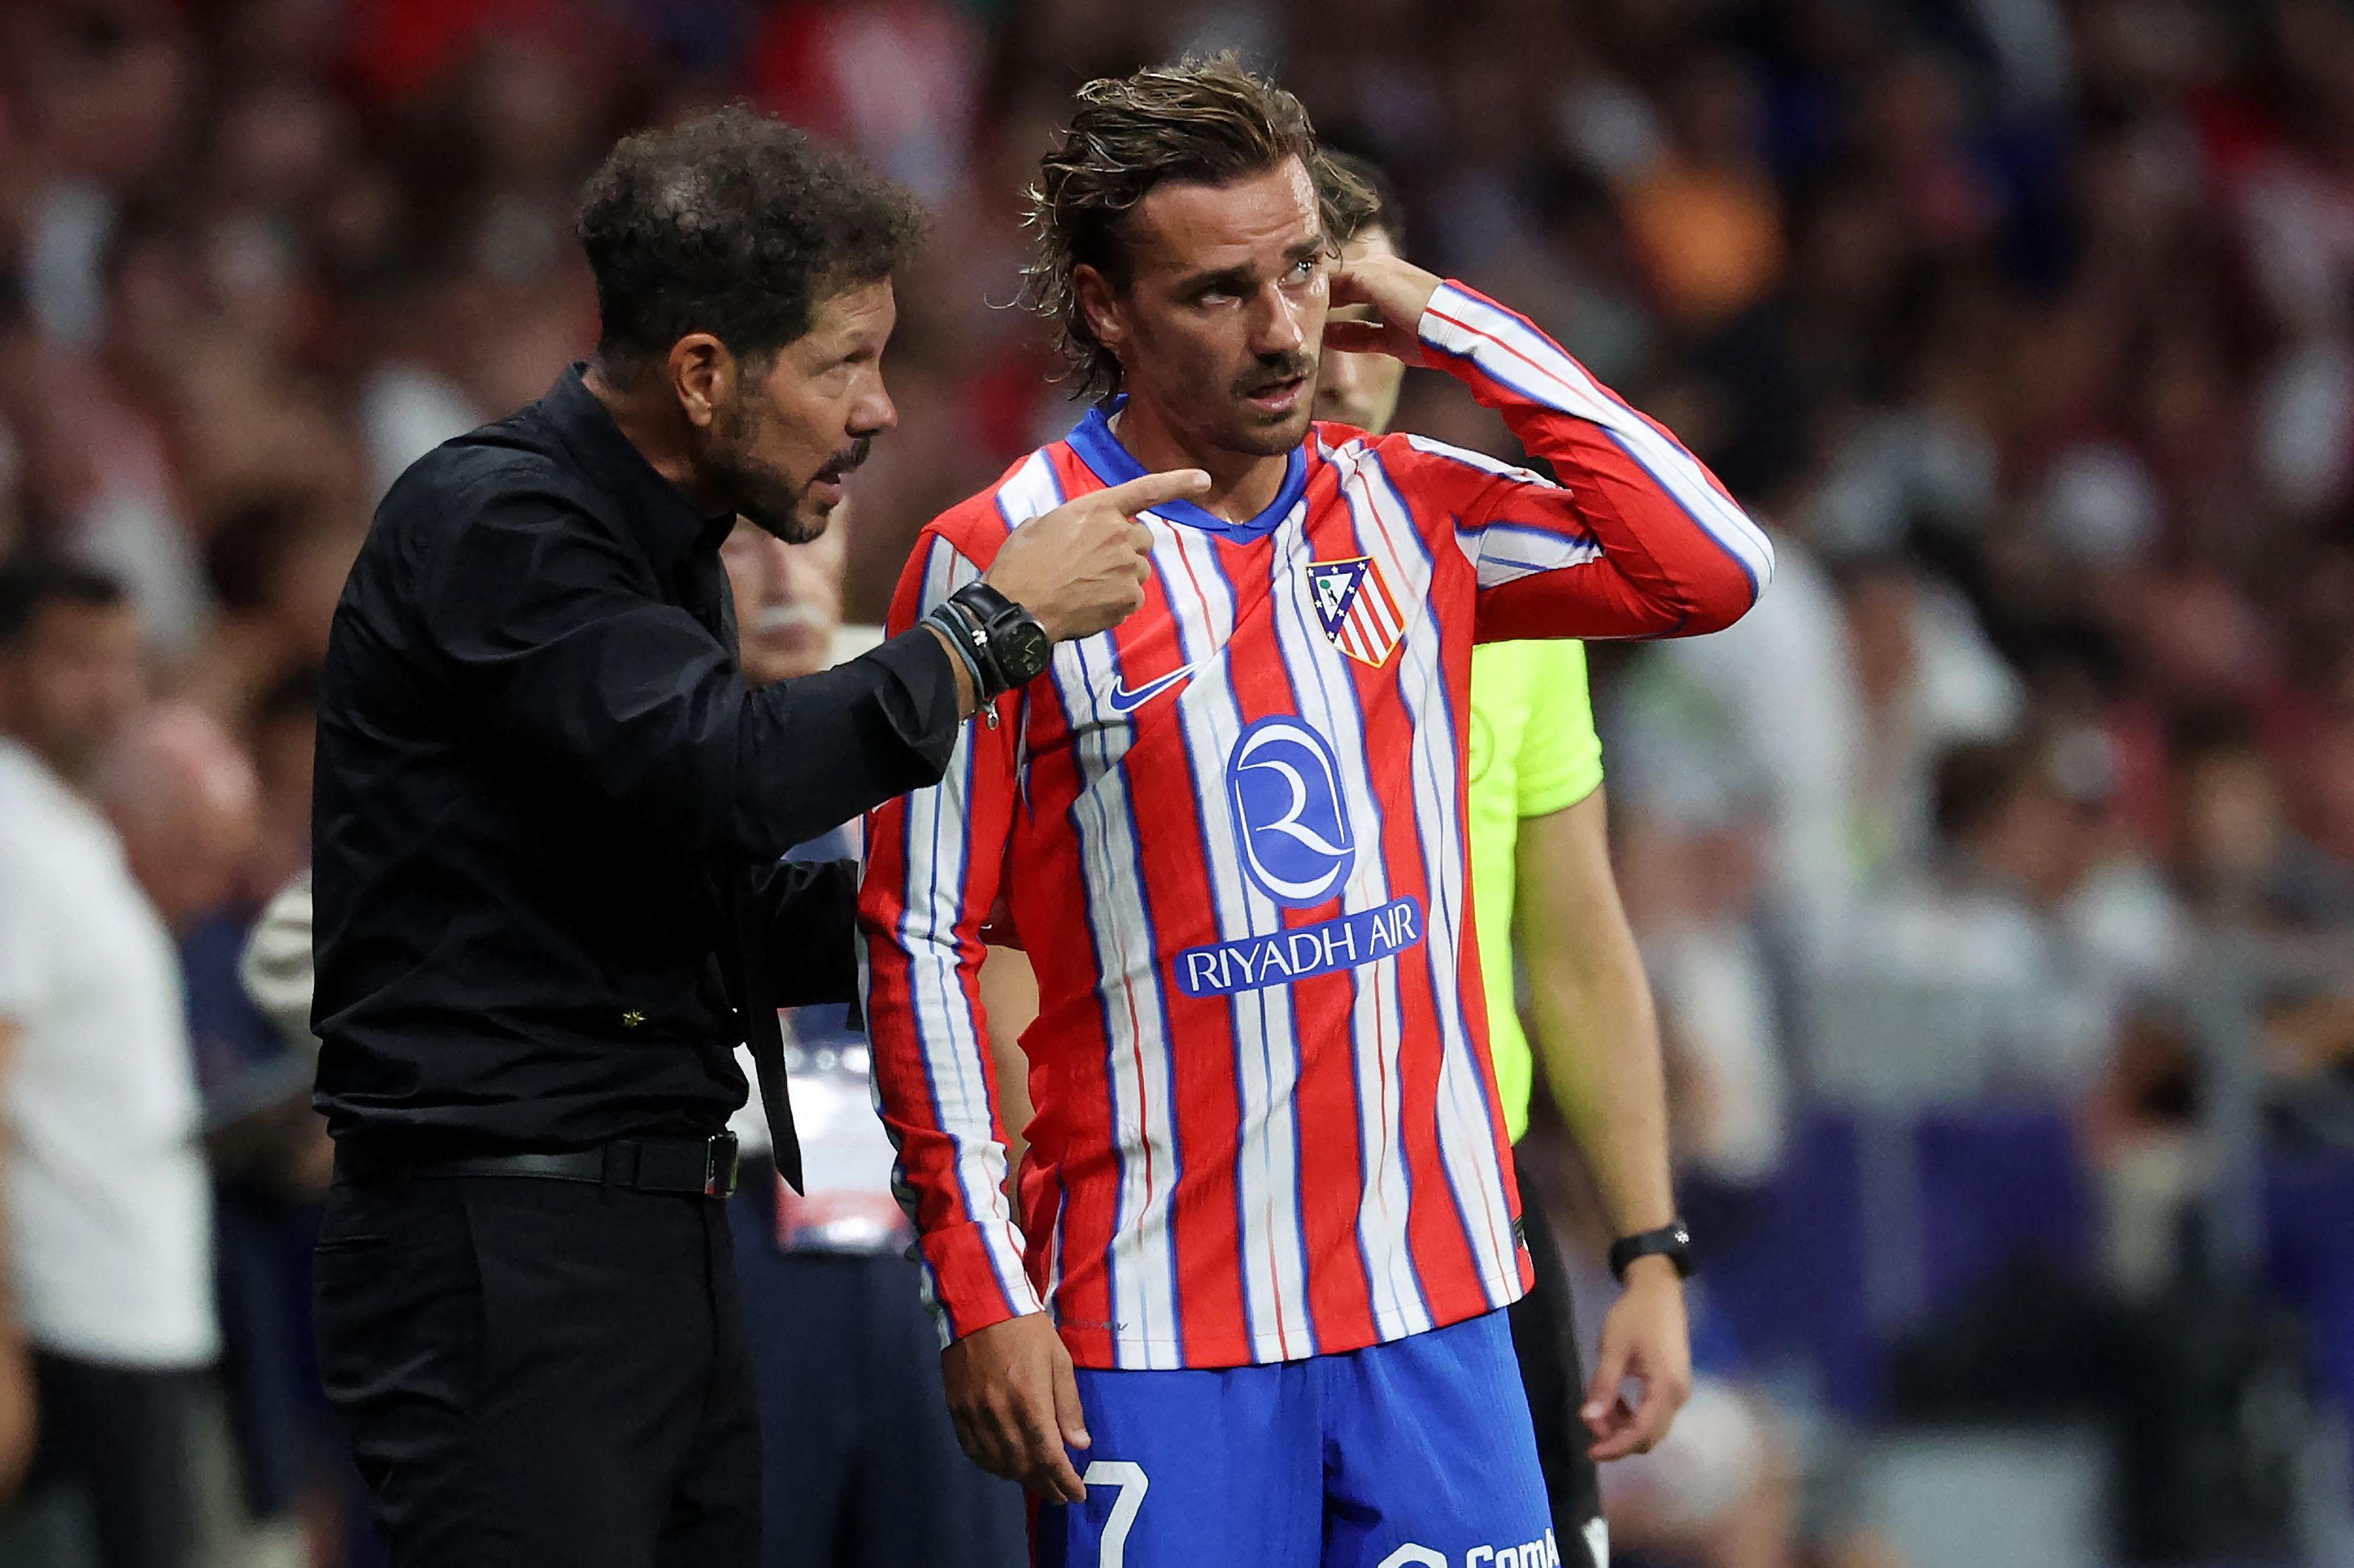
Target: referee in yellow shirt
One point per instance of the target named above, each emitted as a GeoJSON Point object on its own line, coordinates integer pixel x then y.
{"type": "Point", "coordinates": [1541, 872]}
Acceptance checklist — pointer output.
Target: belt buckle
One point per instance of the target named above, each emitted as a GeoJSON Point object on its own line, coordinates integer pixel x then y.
{"type": "Point", "coordinates": [719, 1166]}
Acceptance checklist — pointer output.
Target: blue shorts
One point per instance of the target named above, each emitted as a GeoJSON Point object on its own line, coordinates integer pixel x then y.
{"type": "Point", "coordinates": [1416, 1454]}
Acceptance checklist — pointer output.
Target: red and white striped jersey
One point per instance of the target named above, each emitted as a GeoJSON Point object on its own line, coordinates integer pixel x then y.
{"type": "Point", "coordinates": [1230, 836]}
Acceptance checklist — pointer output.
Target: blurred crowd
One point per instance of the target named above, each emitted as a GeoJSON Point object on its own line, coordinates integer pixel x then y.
{"type": "Point", "coordinates": [2028, 326]}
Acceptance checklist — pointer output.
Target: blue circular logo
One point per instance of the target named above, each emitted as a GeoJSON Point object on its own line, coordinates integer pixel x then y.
{"type": "Point", "coordinates": [1289, 818]}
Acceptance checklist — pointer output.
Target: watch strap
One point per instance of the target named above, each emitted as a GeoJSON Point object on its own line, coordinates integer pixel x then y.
{"type": "Point", "coordinates": [1672, 1242]}
{"type": "Point", "coordinates": [957, 627]}
{"type": "Point", "coordinates": [970, 638]}
{"type": "Point", "coordinates": [1000, 620]}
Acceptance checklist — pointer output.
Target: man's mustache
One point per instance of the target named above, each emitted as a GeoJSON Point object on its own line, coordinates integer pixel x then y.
{"type": "Point", "coordinates": [847, 459]}
{"type": "Point", "coordinates": [1292, 367]}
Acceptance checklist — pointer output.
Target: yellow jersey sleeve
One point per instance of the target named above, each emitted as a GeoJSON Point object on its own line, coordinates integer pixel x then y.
{"type": "Point", "coordinates": [1560, 752]}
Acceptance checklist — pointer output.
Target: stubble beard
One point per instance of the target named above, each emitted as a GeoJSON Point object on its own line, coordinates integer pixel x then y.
{"type": "Point", "coordinates": [764, 495]}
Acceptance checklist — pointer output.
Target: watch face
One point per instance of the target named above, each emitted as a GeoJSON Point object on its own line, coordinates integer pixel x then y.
{"type": "Point", "coordinates": [1028, 650]}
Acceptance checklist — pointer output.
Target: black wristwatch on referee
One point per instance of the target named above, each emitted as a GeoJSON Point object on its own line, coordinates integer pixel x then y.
{"type": "Point", "coordinates": [1001, 644]}
{"type": "Point", "coordinates": [1671, 1241]}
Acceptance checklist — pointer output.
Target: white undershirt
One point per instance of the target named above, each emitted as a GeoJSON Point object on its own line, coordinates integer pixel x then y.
{"type": "Point", "coordinates": [110, 1220]}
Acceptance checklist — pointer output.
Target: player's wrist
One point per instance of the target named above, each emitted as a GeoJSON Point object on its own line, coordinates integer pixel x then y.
{"type": "Point", "coordinates": [962, 1328]}
{"type": "Point", "coordinates": [1670, 1244]}
{"type": "Point", "coordinates": [1429, 325]}
{"type": "Point", "coordinates": [969, 1293]}
{"type": "Point", "coordinates": [1653, 1273]}
{"type": "Point", "coordinates": [1418, 287]}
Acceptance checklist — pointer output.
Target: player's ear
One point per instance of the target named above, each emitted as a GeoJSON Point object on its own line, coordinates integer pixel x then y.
{"type": "Point", "coordinates": [1099, 304]}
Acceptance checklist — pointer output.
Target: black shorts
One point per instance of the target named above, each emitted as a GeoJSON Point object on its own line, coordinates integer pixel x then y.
{"type": "Point", "coordinates": [1544, 1336]}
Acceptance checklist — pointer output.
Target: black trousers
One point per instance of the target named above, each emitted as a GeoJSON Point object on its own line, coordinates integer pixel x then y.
{"type": "Point", "coordinates": [541, 1374]}
{"type": "Point", "coordinates": [121, 1438]}
{"type": "Point", "coordinates": [862, 1466]}
{"type": "Point", "coordinates": [1544, 1337]}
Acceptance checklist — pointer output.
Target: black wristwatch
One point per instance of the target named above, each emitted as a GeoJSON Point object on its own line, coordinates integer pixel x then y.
{"type": "Point", "coordinates": [1671, 1242]}
{"type": "Point", "coordinates": [1006, 645]}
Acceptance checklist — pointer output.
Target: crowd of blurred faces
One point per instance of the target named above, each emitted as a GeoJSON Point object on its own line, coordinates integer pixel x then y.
{"type": "Point", "coordinates": [2028, 327]}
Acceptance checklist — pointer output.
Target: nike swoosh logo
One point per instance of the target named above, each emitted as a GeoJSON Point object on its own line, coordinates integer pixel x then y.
{"type": "Point", "coordinates": [1127, 699]}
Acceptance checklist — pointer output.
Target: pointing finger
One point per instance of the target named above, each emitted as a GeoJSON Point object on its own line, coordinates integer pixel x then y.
{"type": "Point", "coordinates": [1146, 491]}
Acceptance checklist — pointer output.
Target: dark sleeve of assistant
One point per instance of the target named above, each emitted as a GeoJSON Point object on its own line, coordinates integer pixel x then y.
{"type": "Point", "coordinates": [556, 638]}
{"type": "Point", "coordinates": [810, 908]}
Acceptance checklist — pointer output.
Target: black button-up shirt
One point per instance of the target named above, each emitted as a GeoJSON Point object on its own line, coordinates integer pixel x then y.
{"type": "Point", "coordinates": [548, 813]}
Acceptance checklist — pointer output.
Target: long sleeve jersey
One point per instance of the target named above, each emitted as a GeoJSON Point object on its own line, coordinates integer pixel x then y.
{"type": "Point", "coordinates": [1230, 834]}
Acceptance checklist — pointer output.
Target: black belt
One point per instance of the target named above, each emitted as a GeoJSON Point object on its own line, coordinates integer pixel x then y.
{"type": "Point", "coordinates": [694, 1167]}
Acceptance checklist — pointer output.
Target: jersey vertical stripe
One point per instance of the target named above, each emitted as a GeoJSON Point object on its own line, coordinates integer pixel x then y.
{"type": "Point", "coordinates": [1142, 1267]}
{"type": "Point", "coordinates": [1465, 1147]}
{"type": "Point", "coordinates": [1328, 699]}
{"type": "Point", "coordinates": [1211, 716]}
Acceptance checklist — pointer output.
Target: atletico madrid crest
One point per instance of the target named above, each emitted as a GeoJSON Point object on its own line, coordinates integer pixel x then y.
{"type": "Point", "coordinates": [1358, 612]}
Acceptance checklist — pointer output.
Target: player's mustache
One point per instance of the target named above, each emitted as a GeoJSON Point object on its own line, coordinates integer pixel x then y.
{"type": "Point", "coordinates": [1274, 373]}
{"type": "Point", "coordinates": [848, 458]}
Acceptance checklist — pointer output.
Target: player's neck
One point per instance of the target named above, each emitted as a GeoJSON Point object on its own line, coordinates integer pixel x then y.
{"type": "Point", "coordinates": [1242, 484]}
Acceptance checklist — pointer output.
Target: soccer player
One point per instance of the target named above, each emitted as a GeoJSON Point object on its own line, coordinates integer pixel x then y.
{"type": "Point", "coordinates": [1540, 872]}
{"type": "Point", "coordinates": [1267, 1212]}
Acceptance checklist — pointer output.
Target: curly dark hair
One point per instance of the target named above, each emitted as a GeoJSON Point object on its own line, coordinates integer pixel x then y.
{"type": "Point", "coordinates": [1204, 120]}
{"type": "Point", "coordinates": [734, 223]}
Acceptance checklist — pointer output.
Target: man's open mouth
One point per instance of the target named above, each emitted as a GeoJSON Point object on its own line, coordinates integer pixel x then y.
{"type": "Point", "coordinates": [842, 462]}
{"type": "Point", "coordinates": [1278, 394]}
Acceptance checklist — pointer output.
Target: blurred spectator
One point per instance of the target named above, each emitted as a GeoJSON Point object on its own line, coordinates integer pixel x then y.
{"type": "Point", "coordinates": [184, 801]}
{"type": "Point", "coordinates": [1928, 680]}
{"type": "Point", "coordinates": [1698, 874]}
{"type": "Point", "coordinates": [110, 1231]}
{"type": "Point", "coordinates": [1768, 713]}
{"type": "Point", "coordinates": [2025, 917]}
{"type": "Point", "coordinates": [788, 599]}
{"type": "Point", "coordinates": [1704, 216]}
{"type": "Point", "coordinates": [2241, 861]}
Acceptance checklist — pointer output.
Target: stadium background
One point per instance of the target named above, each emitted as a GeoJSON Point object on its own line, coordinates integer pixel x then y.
{"type": "Point", "coordinates": [1997, 876]}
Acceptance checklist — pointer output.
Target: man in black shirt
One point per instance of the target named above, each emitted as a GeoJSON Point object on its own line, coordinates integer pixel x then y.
{"type": "Point", "coordinates": [549, 825]}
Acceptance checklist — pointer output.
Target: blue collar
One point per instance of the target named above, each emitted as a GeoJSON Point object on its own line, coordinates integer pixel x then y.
{"type": "Point", "coordinates": [1098, 447]}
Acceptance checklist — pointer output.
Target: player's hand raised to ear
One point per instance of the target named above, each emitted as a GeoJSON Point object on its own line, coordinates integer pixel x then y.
{"type": "Point", "coordinates": [1081, 569]}
{"type": "Point", "coordinates": [1016, 1403]}
{"type": "Point", "coordinates": [1398, 292]}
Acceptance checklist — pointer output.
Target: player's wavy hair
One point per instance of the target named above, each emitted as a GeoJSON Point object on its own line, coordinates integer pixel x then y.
{"type": "Point", "coordinates": [1206, 120]}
